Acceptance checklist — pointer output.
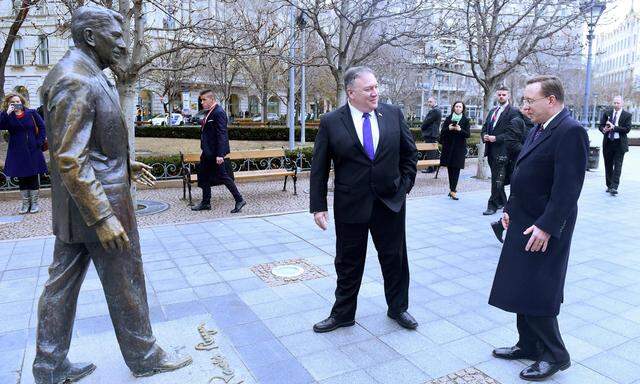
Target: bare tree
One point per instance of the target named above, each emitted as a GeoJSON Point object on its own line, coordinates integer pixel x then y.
{"type": "Point", "coordinates": [264, 32]}
{"type": "Point", "coordinates": [495, 37]}
{"type": "Point", "coordinates": [20, 11]}
{"type": "Point", "coordinates": [352, 31]}
{"type": "Point", "coordinates": [169, 74]}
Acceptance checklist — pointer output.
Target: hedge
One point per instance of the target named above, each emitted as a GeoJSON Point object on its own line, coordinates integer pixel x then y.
{"type": "Point", "coordinates": [276, 133]}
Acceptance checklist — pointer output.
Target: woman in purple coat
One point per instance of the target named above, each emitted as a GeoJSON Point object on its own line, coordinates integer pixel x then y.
{"type": "Point", "coordinates": [27, 138]}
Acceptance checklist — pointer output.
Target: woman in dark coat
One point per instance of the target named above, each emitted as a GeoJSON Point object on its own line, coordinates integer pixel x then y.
{"type": "Point", "coordinates": [27, 138]}
{"type": "Point", "coordinates": [453, 137]}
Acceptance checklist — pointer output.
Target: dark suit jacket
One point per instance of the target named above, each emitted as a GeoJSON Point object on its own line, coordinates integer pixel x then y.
{"type": "Point", "coordinates": [623, 127]}
{"type": "Point", "coordinates": [89, 147]}
{"type": "Point", "coordinates": [359, 181]}
{"type": "Point", "coordinates": [431, 124]}
{"type": "Point", "coordinates": [545, 187]}
{"type": "Point", "coordinates": [516, 134]}
{"type": "Point", "coordinates": [498, 147]}
{"type": "Point", "coordinates": [214, 142]}
{"type": "Point", "coordinates": [454, 143]}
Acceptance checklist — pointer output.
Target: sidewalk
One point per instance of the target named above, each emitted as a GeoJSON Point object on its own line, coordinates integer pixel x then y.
{"type": "Point", "coordinates": [202, 273]}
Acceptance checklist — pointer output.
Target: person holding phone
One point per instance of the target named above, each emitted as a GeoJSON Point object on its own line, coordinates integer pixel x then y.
{"type": "Point", "coordinates": [614, 125]}
{"type": "Point", "coordinates": [453, 137]}
{"type": "Point", "coordinates": [27, 138]}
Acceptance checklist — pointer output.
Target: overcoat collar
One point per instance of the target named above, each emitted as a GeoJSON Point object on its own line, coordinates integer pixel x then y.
{"type": "Point", "coordinates": [530, 145]}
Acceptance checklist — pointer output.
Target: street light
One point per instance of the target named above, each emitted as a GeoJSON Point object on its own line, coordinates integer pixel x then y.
{"type": "Point", "coordinates": [592, 9]}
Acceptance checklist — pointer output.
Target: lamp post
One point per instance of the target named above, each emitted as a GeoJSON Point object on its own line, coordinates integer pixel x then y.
{"type": "Point", "coordinates": [291, 112]}
{"type": "Point", "coordinates": [593, 9]}
{"type": "Point", "coordinates": [302, 23]}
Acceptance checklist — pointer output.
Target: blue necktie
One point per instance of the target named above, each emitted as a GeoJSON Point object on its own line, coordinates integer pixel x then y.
{"type": "Point", "coordinates": [367, 136]}
{"type": "Point", "coordinates": [539, 129]}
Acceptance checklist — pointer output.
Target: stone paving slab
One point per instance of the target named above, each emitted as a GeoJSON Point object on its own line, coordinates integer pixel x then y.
{"type": "Point", "coordinates": [201, 272]}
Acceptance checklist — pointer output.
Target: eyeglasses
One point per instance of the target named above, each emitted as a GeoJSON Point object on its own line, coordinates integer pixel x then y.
{"type": "Point", "coordinates": [526, 101]}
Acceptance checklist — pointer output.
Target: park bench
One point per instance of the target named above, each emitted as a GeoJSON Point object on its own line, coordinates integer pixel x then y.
{"type": "Point", "coordinates": [423, 162]}
{"type": "Point", "coordinates": [247, 165]}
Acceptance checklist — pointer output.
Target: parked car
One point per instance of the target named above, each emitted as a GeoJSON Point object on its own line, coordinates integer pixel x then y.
{"type": "Point", "coordinates": [167, 119]}
{"type": "Point", "coordinates": [197, 118]}
{"type": "Point", "coordinates": [270, 117]}
{"type": "Point", "coordinates": [177, 119]}
{"type": "Point", "coordinates": [159, 119]}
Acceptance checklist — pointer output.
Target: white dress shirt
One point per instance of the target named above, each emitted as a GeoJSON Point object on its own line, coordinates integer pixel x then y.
{"type": "Point", "coordinates": [616, 135]}
{"type": "Point", "coordinates": [546, 123]}
{"type": "Point", "coordinates": [498, 112]}
{"type": "Point", "coordinates": [358, 120]}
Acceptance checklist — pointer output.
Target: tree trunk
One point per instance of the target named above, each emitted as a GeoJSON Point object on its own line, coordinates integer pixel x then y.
{"type": "Point", "coordinates": [481, 172]}
{"type": "Point", "coordinates": [265, 101]}
{"type": "Point", "coordinates": [127, 92]}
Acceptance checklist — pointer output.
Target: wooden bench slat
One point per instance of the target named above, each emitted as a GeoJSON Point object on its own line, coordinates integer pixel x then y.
{"type": "Point", "coordinates": [427, 146]}
{"type": "Point", "coordinates": [249, 175]}
{"type": "Point", "coordinates": [191, 157]}
{"type": "Point", "coordinates": [256, 154]}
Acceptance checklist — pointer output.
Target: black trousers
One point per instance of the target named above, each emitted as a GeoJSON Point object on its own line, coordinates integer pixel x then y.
{"type": "Point", "coordinates": [29, 183]}
{"type": "Point", "coordinates": [123, 283]}
{"type": "Point", "coordinates": [613, 157]}
{"type": "Point", "coordinates": [222, 177]}
{"type": "Point", "coordinates": [498, 165]}
{"type": "Point", "coordinates": [540, 336]}
{"type": "Point", "coordinates": [454, 175]}
{"type": "Point", "coordinates": [388, 232]}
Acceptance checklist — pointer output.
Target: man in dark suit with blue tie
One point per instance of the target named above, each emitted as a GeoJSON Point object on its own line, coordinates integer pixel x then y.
{"type": "Point", "coordinates": [540, 217]}
{"type": "Point", "coordinates": [493, 135]}
{"type": "Point", "coordinates": [374, 160]}
{"type": "Point", "coordinates": [614, 125]}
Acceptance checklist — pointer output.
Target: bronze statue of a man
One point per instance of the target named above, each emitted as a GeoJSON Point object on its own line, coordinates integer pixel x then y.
{"type": "Point", "coordinates": [93, 213]}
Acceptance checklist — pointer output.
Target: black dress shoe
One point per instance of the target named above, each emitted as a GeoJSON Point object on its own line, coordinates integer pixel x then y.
{"type": "Point", "coordinates": [330, 324]}
{"type": "Point", "coordinates": [489, 212]}
{"type": "Point", "coordinates": [513, 353]}
{"type": "Point", "coordinates": [404, 319]}
{"type": "Point", "coordinates": [541, 370]}
{"type": "Point", "coordinates": [498, 229]}
{"type": "Point", "coordinates": [239, 206]}
{"type": "Point", "coordinates": [613, 191]}
{"type": "Point", "coordinates": [202, 207]}
{"type": "Point", "coordinates": [608, 190]}
{"type": "Point", "coordinates": [69, 373]}
{"type": "Point", "coordinates": [168, 363]}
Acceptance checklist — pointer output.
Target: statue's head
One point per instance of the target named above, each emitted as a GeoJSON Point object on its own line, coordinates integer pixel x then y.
{"type": "Point", "coordinates": [99, 29]}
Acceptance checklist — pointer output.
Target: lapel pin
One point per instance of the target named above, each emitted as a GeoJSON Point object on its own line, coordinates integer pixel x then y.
{"type": "Point", "coordinates": [379, 114]}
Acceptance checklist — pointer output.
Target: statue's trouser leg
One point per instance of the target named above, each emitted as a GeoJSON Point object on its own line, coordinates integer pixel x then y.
{"type": "Point", "coordinates": [122, 278]}
{"type": "Point", "coordinates": [123, 282]}
{"type": "Point", "coordinates": [57, 309]}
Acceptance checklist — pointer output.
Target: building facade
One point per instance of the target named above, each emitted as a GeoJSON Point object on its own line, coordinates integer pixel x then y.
{"type": "Point", "coordinates": [616, 70]}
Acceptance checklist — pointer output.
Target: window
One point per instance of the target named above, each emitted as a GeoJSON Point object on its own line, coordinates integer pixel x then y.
{"type": "Point", "coordinates": [43, 49]}
{"type": "Point", "coordinates": [18, 51]}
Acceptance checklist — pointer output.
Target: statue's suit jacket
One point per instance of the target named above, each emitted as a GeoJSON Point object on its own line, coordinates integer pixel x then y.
{"type": "Point", "coordinates": [88, 143]}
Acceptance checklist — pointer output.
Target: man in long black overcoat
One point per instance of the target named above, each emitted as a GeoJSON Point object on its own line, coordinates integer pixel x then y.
{"type": "Point", "coordinates": [540, 217]}
{"type": "Point", "coordinates": [214, 142]}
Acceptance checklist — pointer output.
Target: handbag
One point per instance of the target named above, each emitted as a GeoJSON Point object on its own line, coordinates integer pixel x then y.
{"type": "Point", "coordinates": [45, 145]}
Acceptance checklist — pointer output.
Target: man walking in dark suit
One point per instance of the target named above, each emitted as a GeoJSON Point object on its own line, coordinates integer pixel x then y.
{"type": "Point", "coordinates": [493, 135]}
{"type": "Point", "coordinates": [614, 125]}
{"type": "Point", "coordinates": [374, 159]}
{"type": "Point", "coordinates": [515, 136]}
{"type": "Point", "coordinates": [214, 142]}
{"type": "Point", "coordinates": [92, 209]}
{"type": "Point", "coordinates": [540, 217]}
{"type": "Point", "coordinates": [431, 129]}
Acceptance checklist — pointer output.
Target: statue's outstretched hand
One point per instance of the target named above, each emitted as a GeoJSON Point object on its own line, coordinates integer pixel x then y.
{"type": "Point", "coordinates": [141, 173]}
